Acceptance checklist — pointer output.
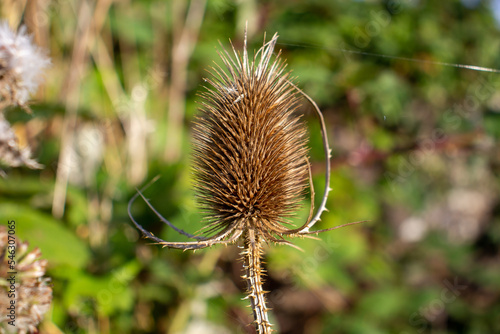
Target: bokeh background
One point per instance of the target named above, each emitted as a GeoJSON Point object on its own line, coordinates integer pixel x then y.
{"type": "Point", "coordinates": [415, 151]}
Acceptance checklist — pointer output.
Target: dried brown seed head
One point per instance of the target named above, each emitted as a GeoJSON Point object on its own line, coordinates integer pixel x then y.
{"type": "Point", "coordinates": [251, 165]}
{"type": "Point", "coordinates": [32, 293]}
{"type": "Point", "coordinates": [250, 148]}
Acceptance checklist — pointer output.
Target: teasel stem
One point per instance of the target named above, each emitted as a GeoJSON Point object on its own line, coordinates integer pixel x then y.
{"type": "Point", "coordinates": [252, 255]}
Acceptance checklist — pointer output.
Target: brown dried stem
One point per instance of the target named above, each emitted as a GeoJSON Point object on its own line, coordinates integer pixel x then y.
{"type": "Point", "coordinates": [252, 254]}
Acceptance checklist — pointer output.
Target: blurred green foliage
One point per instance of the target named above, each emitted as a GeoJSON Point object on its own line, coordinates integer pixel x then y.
{"type": "Point", "coordinates": [415, 152]}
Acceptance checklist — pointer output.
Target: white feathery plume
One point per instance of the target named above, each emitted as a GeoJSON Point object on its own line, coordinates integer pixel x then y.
{"type": "Point", "coordinates": [21, 65]}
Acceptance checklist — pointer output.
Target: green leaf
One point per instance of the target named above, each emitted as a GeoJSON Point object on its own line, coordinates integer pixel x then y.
{"type": "Point", "coordinates": [111, 292]}
{"type": "Point", "coordinates": [492, 124]}
{"type": "Point", "coordinates": [58, 245]}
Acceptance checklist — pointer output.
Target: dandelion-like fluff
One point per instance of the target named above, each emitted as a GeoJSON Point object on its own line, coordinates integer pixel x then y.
{"type": "Point", "coordinates": [21, 66]}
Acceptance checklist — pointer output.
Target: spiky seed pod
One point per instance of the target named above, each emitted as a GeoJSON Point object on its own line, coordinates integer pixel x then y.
{"type": "Point", "coordinates": [250, 157]}
{"type": "Point", "coordinates": [250, 148]}
{"type": "Point", "coordinates": [250, 164]}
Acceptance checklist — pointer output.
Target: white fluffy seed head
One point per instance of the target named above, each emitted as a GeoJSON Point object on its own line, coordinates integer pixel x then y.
{"type": "Point", "coordinates": [21, 65]}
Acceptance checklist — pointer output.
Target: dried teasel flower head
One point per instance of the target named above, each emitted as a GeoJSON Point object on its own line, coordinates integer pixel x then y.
{"type": "Point", "coordinates": [250, 164]}
{"type": "Point", "coordinates": [33, 293]}
{"type": "Point", "coordinates": [21, 65]}
{"type": "Point", "coordinates": [250, 148]}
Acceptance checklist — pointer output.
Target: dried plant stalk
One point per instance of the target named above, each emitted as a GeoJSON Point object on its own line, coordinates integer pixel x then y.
{"type": "Point", "coordinates": [252, 254]}
{"type": "Point", "coordinates": [250, 164]}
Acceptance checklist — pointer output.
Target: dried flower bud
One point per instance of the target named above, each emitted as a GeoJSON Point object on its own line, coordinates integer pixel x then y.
{"type": "Point", "coordinates": [33, 293]}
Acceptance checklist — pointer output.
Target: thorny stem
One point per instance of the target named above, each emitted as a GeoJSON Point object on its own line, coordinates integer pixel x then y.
{"type": "Point", "coordinates": [252, 254]}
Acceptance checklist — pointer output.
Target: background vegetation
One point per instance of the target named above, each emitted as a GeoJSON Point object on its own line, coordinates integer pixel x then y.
{"type": "Point", "coordinates": [415, 151]}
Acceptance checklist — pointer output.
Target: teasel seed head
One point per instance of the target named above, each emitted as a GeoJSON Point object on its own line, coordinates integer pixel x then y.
{"type": "Point", "coordinates": [250, 165]}
{"type": "Point", "coordinates": [250, 153]}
